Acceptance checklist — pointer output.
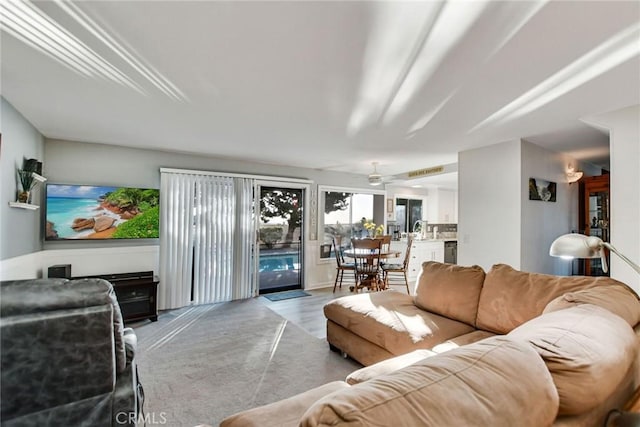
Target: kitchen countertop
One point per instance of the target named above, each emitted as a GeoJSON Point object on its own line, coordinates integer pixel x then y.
{"type": "Point", "coordinates": [445, 239]}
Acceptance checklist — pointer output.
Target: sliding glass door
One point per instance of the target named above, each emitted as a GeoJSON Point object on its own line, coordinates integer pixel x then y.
{"type": "Point", "coordinates": [280, 237]}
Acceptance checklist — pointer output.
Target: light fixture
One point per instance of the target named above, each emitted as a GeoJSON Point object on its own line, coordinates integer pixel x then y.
{"type": "Point", "coordinates": [573, 175]}
{"type": "Point", "coordinates": [580, 246]}
{"type": "Point", "coordinates": [375, 178]}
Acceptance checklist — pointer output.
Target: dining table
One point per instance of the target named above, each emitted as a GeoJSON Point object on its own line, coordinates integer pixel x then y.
{"type": "Point", "coordinates": [372, 282]}
{"type": "Point", "coordinates": [370, 254]}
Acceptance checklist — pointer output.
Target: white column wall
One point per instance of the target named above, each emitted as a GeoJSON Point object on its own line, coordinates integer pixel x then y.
{"type": "Point", "coordinates": [542, 222]}
{"type": "Point", "coordinates": [624, 137]}
{"type": "Point", "coordinates": [489, 205]}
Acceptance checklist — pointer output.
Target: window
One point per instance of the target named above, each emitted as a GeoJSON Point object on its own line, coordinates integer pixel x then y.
{"type": "Point", "coordinates": [344, 214]}
{"type": "Point", "coordinates": [408, 212]}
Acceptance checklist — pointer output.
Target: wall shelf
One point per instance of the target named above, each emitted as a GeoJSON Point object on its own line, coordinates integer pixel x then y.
{"type": "Point", "coordinates": [23, 206]}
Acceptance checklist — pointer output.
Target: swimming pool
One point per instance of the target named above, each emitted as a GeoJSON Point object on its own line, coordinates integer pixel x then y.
{"type": "Point", "coordinates": [279, 269]}
{"type": "Point", "coordinates": [279, 261]}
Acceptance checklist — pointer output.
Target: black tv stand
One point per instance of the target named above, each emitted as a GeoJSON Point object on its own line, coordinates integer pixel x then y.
{"type": "Point", "coordinates": [136, 292]}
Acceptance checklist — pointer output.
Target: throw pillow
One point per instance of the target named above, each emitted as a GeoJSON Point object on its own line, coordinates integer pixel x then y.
{"type": "Point", "coordinates": [510, 297]}
{"type": "Point", "coordinates": [588, 350]}
{"type": "Point", "coordinates": [450, 290]}
{"type": "Point", "coordinates": [617, 298]}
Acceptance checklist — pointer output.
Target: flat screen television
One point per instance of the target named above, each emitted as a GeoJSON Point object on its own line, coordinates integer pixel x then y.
{"type": "Point", "coordinates": [88, 212]}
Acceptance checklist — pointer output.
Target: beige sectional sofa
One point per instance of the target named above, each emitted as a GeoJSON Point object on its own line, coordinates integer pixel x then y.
{"type": "Point", "coordinates": [503, 348]}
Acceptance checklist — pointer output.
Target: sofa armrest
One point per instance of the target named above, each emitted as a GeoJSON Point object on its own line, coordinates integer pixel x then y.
{"type": "Point", "coordinates": [127, 401]}
{"type": "Point", "coordinates": [130, 344]}
{"type": "Point", "coordinates": [489, 383]}
{"type": "Point", "coordinates": [128, 396]}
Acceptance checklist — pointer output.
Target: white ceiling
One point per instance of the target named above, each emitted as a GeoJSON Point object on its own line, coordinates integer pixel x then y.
{"type": "Point", "coordinates": [330, 85]}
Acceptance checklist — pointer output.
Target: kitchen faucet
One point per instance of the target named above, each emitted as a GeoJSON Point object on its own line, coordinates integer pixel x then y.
{"type": "Point", "coordinates": [419, 225]}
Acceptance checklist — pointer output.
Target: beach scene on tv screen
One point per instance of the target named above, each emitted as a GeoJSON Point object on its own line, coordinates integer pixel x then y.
{"type": "Point", "coordinates": [99, 212]}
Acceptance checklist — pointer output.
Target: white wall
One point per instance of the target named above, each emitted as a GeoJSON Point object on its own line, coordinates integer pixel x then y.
{"type": "Point", "coordinates": [497, 221]}
{"type": "Point", "coordinates": [21, 267]}
{"type": "Point", "coordinates": [19, 228]}
{"type": "Point", "coordinates": [489, 205]}
{"type": "Point", "coordinates": [542, 222]}
{"type": "Point", "coordinates": [624, 137]}
{"type": "Point", "coordinates": [82, 163]}
{"type": "Point", "coordinates": [84, 262]}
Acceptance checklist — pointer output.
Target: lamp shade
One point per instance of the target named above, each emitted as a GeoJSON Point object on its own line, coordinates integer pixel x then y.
{"type": "Point", "coordinates": [576, 246]}
{"type": "Point", "coordinates": [579, 246]}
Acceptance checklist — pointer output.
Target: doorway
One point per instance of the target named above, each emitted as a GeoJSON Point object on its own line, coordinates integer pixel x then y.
{"type": "Point", "coordinates": [408, 213]}
{"type": "Point", "coordinates": [280, 238]}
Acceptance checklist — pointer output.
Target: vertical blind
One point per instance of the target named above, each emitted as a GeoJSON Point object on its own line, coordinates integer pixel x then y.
{"type": "Point", "coordinates": [176, 240]}
{"type": "Point", "coordinates": [207, 237]}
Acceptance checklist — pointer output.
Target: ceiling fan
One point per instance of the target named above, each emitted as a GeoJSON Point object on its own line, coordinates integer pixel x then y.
{"type": "Point", "coordinates": [375, 178]}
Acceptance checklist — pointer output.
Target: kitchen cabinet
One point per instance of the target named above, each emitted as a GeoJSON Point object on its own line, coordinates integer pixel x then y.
{"type": "Point", "coordinates": [442, 206]}
{"type": "Point", "coordinates": [447, 207]}
{"type": "Point", "coordinates": [421, 251]}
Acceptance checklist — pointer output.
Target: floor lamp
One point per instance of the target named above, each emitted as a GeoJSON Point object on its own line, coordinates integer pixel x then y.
{"type": "Point", "coordinates": [580, 246]}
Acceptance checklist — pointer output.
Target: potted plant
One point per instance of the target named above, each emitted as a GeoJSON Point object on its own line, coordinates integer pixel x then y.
{"type": "Point", "coordinates": [373, 229]}
{"type": "Point", "coordinates": [27, 182]}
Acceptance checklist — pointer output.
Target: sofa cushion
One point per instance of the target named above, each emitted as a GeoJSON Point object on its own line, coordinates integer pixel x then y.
{"type": "Point", "coordinates": [469, 386]}
{"type": "Point", "coordinates": [358, 348]}
{"type": "Point", "coordinates": [284, 413]}
{"type": "Point", "coordinates": [510, 297]}
{"type": "Point", "coordinates": [450, 290]}
{"type": "Point", "coordinates": [390, 320]}
{"type": "Point", "coordinates": [587, 349]}
{"type": "Point", "coordinates": [387, 366]}
{"type": "Point", "coordinates": [465, 339]}
{"type": "Point", "coordinates": [617, 298]}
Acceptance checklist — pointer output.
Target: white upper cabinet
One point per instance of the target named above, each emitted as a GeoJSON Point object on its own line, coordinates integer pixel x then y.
{"type": "Point", "coordinates": [442, 206]}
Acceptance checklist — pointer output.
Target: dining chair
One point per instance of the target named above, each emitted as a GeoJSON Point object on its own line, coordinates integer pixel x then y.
{"type": "Point", "coordinates": [367, 262]}
{"type": "Point", "coordinates": [385, 246]}
{"type": "Point", "coordinates": [386, 242]}
{"type": "Point", "coordinates": [398, 272]}
{"type": "Point", "coordinates": [341, 265]}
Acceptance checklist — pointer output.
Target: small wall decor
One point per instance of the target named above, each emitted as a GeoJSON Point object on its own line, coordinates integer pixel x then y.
{"type": "Point", "coordinates": [390, 209]}
{"type": "Point", "coordinates": [540, 189]}
{"type": "Point", "coordinates": [28, 177]}
{"type": "Point", "coordinates": [313, 213]}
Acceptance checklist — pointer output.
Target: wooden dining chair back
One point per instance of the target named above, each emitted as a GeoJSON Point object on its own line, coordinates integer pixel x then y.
{"type": "Point", "coordinates": [341, 265]}
{"type": "Point", "coordinates": [386, 243]}
{"type": "Point", "coordinates": [385, 246]}
{"type": "Point", "coordinates": [397, 273]}
{"type": "Point", "coordinates": [367, 263]}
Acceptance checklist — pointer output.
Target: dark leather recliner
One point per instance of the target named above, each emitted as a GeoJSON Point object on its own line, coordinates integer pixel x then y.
{"type": "Point", "coordinates": [66, 359]}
